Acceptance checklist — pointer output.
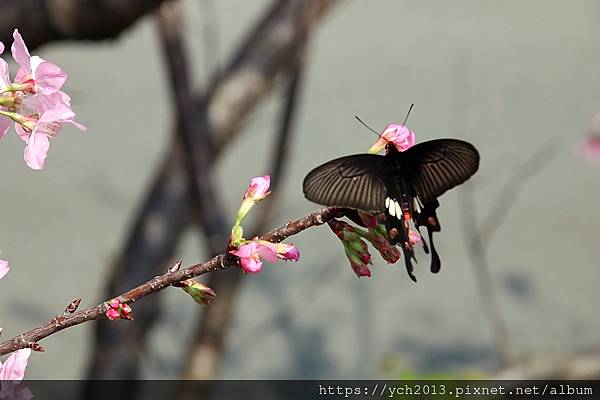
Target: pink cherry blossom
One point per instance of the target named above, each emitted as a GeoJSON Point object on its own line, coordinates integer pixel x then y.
{"type": "Point", "coordinates": [402, 137]}
{"type": "Point", "coordinates": [3, 268]}
{"type": "Point", "coordinates": [258, 188]}
{"type": "Point", "coordinates": [251, 255]}
{"type": "Point", "coordinates": [590, 148]}
{"type": "Point", "coordinates": [284, 251]}
{"type": "Point", "coordinates": [43, 76]}
{"type": "Point", "coordinates": [13, 369]}
{"type": "Point", "coordinates": [54, 111]}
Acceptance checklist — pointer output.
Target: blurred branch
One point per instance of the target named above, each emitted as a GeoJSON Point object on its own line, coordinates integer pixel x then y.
{"type": "Point", "coordinates": [481, 270]}
{"type": "Point", "coordinates": [508, 195]}
{"type": "Point", "coordinates": [206, 352]}
{"type": "Point", "coordinates": [42, 21]}
{"type": "Point", "coordinates": [223, 261]}
{"type": "Point", "coordinates": [194, 131]}
{"type": "Point", "coordinates": [480, 235]}
{"type": "Point", "coordinates": [210, 37]}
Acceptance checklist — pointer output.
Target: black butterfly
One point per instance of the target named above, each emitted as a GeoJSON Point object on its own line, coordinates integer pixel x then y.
{"type": "Point", "coordinates": [403, 185]}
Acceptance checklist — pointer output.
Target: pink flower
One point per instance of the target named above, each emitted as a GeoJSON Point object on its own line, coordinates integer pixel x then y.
{"type": "Point", "coordinates": [13, 368]}
{"type": "Point", "coordinates": [251, 255]}
{"type": "Point", "coordinates": [258, 188]}
{"type": "Point", "coordinates": [590, 148]}
{"type": "Point", "coordinates": [3, 268]}
{"type": "Point", "coordinates": [35, 74]}
{"type": "Point", "coordinates": [53, 111]}
{"type": "Point", "coordinates": [414, 237]}
{"type": "Point", "coordinates": [284, 251]}
{"type": "Point", "coordinates": [402, 137]}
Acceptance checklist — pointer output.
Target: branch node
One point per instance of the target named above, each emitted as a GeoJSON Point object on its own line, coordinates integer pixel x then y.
{"type": "Point", "coordinates": [72, 307]}
{"type": "Point", "coordinates": [175, 267]}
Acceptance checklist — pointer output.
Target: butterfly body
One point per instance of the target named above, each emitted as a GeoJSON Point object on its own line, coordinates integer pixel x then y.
{"type": "Point", "coordinates": [402, 185]}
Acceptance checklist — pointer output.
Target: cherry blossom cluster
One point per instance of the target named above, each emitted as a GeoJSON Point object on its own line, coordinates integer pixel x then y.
{"type": "Point", "coordinates": [354, 239]}
{"type": "Point", "coordinates": [33, 101]}
{"type": "Point", "coordinates": [253, 252]}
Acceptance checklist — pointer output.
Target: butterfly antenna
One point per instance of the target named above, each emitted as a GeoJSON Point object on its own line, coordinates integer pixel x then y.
{"type": "Point", "coordinates": [408, 113]}
{"type": "Point", "coordinates": [366, 126]}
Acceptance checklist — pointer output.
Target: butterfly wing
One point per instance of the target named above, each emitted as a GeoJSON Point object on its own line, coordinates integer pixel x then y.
{"type": "Point", "coordinates": [439, 165]}
{"type": "Point", "coordinates": [355, 181]}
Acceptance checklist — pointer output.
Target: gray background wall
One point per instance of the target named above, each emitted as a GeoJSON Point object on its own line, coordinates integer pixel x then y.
{"type": "Point", "coordinates": [511, 74]}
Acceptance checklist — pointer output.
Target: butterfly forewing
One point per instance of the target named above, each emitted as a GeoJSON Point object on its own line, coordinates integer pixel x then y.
{"type": "Point", "coordinates": [355, 181]}
{"type": "Point", "coordinates": [438, 165]}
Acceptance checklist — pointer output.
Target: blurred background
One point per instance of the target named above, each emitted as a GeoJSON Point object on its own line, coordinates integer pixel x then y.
{"type": "Point", "coordinates": [114, 206]}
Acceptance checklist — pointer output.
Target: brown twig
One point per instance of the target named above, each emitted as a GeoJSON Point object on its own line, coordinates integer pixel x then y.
{"type": "Point", "coordinates": [205, 354]}
{"type": "Point", "coordinates": [156, 284]}
{"type": "Point", "coordinates": [165, 212]}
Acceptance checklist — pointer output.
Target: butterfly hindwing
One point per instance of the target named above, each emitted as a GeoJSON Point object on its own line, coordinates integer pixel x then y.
{"type": "Point", "coordinates": [438, 165]}
{"type": "Point", "coordinates": [355, 181]}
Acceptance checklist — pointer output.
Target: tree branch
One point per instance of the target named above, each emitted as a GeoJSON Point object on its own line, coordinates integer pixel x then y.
{"type": "Point", "coordinates": [42, 21]}
{"type": "Point", "coordinates": [156, 284]}
{"type": "Point", "coordinates": [165, 212]}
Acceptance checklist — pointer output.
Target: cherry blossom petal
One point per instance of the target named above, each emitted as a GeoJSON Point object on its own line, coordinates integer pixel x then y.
{"type": "Point", "coordinates": [251, 265]}
{"type": "Point", "coordinates": [245, 250]}
{"type": "Point", "coordinates": [21, 53]}
{"type": "Point", "coordinates": [49, 78]}
{"type": "Point", "coordinates": [266, 253]}
{"type": "Point", "coordinates": [3, 268]}
{"type": "Point", "coordinates": [36, 150]}
{"type": "Point", "coordinates": [13, 368]}
{"type": "Point", "coordinates": [1, 47]}
{"type": "Point", "coordinates": [4, 75]}
{"type": "Point", "coordinates": [4, 126]}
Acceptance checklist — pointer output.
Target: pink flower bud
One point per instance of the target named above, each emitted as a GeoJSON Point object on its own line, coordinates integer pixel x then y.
{"type": "Point", "coordinates": [112, 314]}
{"type": "Point", "coordinates": [414, 237]}
{"type": "Point", "coordinates": [114, 303]}
{"type": "Point", "coordinates": [259, 188]}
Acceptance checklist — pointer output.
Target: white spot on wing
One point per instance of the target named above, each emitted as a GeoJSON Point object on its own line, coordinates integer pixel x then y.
{"type": "Point", "coordinates": [398, 210]}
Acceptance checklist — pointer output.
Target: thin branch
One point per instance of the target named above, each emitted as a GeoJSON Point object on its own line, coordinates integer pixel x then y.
{"type": "Point", "coordinates": [156, 284]}
{"type": "Point", "coordinates": [195, 133]}
{"type": "Point", "coordinates": [165, 212]}
{"type": "Point", "coordinates": [205, 354]}
{"type": "Point", "coordinates": [481, 270]}
{"type": "Point", "coordinates": [502, 204]}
